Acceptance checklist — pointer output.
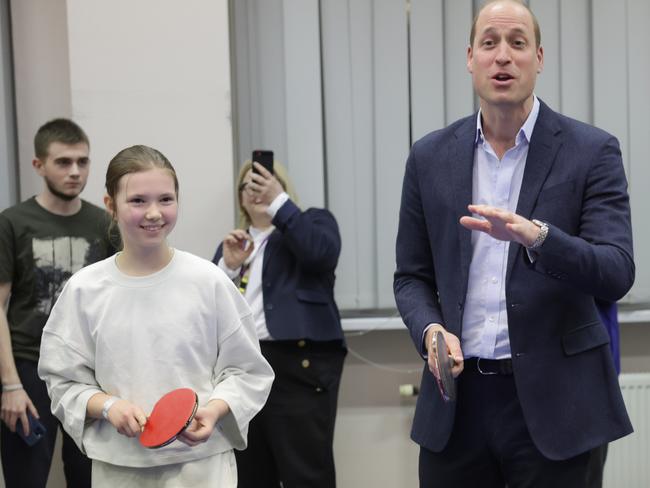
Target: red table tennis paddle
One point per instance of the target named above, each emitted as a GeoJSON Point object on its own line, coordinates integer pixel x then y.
{"type": "Point", "coordinates": [444, 362]}
{"type": "Point", "coordinates": [170, 416]}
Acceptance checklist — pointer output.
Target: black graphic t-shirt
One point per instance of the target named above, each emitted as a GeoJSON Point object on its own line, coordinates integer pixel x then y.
{"type": "Point", "coordinates": [39, 251]}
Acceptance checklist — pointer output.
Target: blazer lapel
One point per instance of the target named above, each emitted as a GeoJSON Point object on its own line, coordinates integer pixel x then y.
{"type": "Point", "coordinates": [462, 164]}
{"type": "Point", "coordinates": [269, 249]}
{"type": "Point", "coordinates": [544, 144]}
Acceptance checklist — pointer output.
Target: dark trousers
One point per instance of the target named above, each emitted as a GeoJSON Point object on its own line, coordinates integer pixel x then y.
{"type": "Point", "coordinates": [290, 440]}
{"type": "Point", "coordinates": [597, 466]}
{"type": "Point", "coordinates": [490, 445]}
{"type": "Point", "coordinates": [29, 467]}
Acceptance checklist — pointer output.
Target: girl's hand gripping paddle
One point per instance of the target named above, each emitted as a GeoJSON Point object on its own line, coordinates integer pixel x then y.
{"type": "Point", "coordinates": [170, 416]}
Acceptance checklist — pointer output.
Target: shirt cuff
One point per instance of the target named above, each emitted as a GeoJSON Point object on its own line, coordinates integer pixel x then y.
{"type": "Point", "coordinates": [232, 273]}
{"type": "Point", "coordinates": [277, 203]}
{"type": "Point", "coordinates": [532, 255]}
{"type": "Point", "coordinates": [424, 351]}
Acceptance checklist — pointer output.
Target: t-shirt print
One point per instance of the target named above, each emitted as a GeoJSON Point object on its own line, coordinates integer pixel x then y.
{"type": "Point", "coordinates": [55, 260]}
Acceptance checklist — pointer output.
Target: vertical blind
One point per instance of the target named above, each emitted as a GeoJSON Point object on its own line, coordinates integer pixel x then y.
{"type": "Point", "coordinates": [340, 89]}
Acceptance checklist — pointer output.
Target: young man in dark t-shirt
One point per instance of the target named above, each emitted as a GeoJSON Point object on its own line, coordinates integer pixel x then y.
{"type": "Point", "coordinates": [43, 241]}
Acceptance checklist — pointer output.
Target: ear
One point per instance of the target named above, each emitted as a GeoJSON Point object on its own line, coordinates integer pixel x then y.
{"type": "Point", "coordinates": [110, 205]}
{"type": "Point", "coordinates": [38, 166]}
{"type": "Point", "coordinates": [469, 58]}
{"type": "Point", "coordinates": [540, 59]}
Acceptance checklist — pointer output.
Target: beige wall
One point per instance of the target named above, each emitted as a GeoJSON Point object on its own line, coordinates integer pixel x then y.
{"type": "Point", "coordinates": [133, 72]}
{"type": "Point", "coordinates": [42, 76]}
{"type": "Point", "coordinates": [130, 76]}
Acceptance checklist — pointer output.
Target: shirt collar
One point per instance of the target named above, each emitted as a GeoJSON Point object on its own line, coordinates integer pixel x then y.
{"type": "Point", "coordinates": [526, 130]}
{"type": "Point", "coordinates": [258, 234]}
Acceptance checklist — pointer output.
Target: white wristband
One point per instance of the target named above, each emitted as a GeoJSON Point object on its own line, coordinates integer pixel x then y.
{"type": "Point", "coordinates": [12, 387]}
{"type": "Point", "coordinates": [107, 406]}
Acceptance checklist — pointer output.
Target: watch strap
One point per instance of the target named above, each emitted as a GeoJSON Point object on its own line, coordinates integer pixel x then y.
{"type": "Point", "coordinates": [541, 236]}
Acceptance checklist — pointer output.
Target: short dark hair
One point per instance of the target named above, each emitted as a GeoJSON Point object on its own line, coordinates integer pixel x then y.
{"type": "Point", "coordinates": [57, 130]}
{"type": "Point", "coordinates": [538, 33]}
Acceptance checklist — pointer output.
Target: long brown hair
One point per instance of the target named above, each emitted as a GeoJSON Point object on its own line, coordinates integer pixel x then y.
{"type": "Point", "coordinates": [133, 160]}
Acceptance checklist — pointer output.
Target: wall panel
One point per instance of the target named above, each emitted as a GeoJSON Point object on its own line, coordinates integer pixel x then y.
{"type": "Point", "coordinates": [394, 70]}
{"type": "Point", "coordinates": [347, 30]}
{"type": "Point", "coordinates": [639, 135]}
{"type": "Point", "coordinates": [459, 95]}
{"type": "Point", "coordinates": [427, 67]}
{"type": "Point", "coordinates": [391, 134]}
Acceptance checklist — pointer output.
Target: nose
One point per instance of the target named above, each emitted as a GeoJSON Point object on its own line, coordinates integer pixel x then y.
{"type": "Point", "coordinates": [503, 53]}
{"type": "Point", "coordinates": [152, 213]}
{"type": "Point", "coordinates": [74, 170]}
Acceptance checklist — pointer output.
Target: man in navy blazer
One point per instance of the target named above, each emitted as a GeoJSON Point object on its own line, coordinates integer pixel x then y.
{"type": "Point", "coordinates": [512, 221]}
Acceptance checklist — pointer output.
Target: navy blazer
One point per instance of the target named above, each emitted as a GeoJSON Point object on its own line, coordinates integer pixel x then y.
{"type": "Point", "coordinates": [298, 275]}
{"type": "Point", "coordinates": [573, 180]}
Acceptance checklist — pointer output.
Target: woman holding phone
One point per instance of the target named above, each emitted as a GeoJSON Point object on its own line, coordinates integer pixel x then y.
{"type": "Point", "coordinates": [283, 260]}
{"type": "Point", "coordinates": [148, 320]}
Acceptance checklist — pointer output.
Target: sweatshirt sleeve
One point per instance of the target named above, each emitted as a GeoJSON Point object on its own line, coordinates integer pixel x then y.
{"type": "Point", "coordinates": [241, 375]}
{"type": "Point", "coordinates": [66, 363]}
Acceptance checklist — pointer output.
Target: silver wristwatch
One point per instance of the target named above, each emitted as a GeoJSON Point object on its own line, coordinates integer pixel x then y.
{"type": "Point", "coordinates": [543, 232]}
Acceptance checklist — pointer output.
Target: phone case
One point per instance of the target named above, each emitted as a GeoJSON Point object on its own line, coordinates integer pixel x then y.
{"type": "Point", "coordinates": [36, 430]}
{"type": "Point", "coordinates": [265, 158]}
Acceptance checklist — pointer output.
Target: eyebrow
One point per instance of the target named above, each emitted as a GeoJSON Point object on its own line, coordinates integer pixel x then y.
{"type": "Point", "coordinates": [516, 30]}
{"type": "Point", "coordinates": [65, 159]}
{"type": "Point", "coordinates": [147, 195]}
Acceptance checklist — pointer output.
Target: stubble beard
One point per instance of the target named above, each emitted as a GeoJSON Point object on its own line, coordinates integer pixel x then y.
{"type": "Point", "coordinates": [59, 194]}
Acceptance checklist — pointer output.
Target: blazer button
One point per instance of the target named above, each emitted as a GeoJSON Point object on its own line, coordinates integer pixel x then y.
{"type": "Point", "coordinates": [305, 363]}
{"type": "Point", "coordinates": [301, 343]}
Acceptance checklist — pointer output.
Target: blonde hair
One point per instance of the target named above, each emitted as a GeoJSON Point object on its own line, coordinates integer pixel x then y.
{"type": "Point", "coordinates": [281, 175]}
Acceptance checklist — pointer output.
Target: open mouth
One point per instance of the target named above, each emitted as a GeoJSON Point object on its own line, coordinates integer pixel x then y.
{"type": "Point", "coordinates": [502, 77]}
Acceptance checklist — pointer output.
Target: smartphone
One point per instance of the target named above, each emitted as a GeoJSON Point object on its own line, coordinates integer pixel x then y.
{"type": "Point", "coordinates": [265, 158]}
{"type": "Point", "coordinates": [36, 430]}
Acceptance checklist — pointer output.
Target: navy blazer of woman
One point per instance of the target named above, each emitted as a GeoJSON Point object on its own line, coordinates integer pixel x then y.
{"type": "Point", "coordinates": [298, 275]}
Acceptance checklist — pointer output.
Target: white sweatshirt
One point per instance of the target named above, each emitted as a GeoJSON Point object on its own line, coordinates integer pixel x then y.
{"type": "Point", "coordinates": [138, 338]}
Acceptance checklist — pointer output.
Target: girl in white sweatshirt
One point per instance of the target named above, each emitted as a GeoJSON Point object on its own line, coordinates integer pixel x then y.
{"type": "Point", "coordinates": [150, 319]}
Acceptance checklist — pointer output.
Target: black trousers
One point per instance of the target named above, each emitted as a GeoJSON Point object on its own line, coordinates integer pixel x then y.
{"type": "Point", "coordinates": [290, 440]}
{"type": "Point", "coordinates": [29, 467]}
{"type": "Point", "coordinates": [597, 467]}
{"type": "Point", "coordinates": [490, 446]}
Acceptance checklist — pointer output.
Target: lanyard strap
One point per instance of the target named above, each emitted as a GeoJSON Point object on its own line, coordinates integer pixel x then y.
{"type": "Point", "coordinates": [245, 271]}
{"type": "Point", "coordinates": [244, 274]}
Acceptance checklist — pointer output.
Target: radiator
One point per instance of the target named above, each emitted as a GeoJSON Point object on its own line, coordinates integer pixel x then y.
{"type": "Point", "coordinates": [628, 459]}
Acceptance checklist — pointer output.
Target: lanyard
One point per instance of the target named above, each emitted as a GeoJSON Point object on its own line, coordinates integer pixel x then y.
{"type": "Point", "coordinates": [244, 274]}
{"type": "Point", "coordinates": [245, 271]}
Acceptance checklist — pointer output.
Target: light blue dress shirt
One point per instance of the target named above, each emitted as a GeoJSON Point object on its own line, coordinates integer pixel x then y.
{"type": "Point", "coordinates": [497, 183]}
